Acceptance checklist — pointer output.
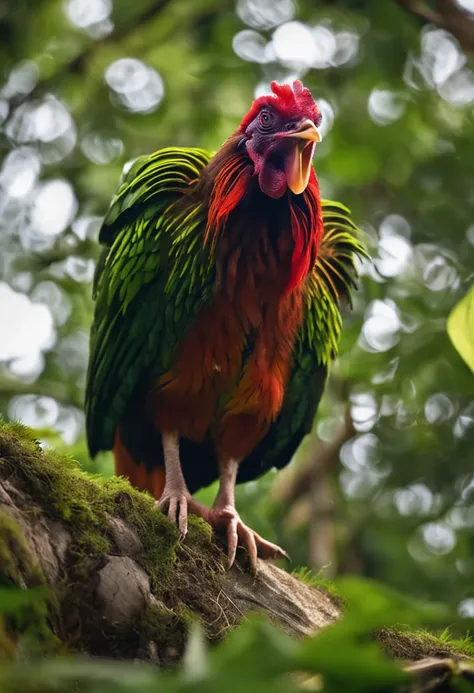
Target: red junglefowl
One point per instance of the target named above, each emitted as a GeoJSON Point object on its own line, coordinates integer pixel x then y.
{"type": "Point", "coordinates": [217, 312]}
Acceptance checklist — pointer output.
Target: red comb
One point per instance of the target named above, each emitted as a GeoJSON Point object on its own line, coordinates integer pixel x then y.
{"type": "Point", "coordinates": [290, 101]}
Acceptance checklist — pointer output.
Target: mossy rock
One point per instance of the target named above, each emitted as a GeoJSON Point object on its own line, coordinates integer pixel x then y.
{"type": "Point", "coordinates": [99, 519]}
{"type": "Point", "coordinates": [121, 581]}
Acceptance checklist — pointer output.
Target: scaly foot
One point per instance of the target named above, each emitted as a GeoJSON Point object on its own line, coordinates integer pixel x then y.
{"type": "Point", "coordinates": [178, 503]}
{"type": "Point", "coordinates": [176, 499]}
{"type": "Point", "coordinates": [227, 518]}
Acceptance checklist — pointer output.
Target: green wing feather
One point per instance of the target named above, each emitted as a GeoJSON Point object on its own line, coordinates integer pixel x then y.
{"type": "Point", "coordinates": [151, 279]}
{"type": "Point", "coordinates": [333, 278]}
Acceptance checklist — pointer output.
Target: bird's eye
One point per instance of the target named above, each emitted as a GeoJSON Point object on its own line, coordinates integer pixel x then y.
{"type": "Point", "coordinates": [266, 120]}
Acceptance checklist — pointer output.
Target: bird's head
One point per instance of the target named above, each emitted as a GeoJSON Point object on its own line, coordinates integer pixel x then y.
{"type": "Point", "coordinates": [281, 131]}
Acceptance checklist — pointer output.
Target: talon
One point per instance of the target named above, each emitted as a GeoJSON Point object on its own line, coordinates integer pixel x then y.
{"type": "Point", "coordinates": [232, 541]}
{"type": "Point", "coordinates": [249, 538]}
{"type": "Point", "coordinates": [177, 505]}
{"type": "Point", "coordinates": [229, 520]}
{"type": "Point", "coordinates": [269, 550]}
{"type": "Point", "coordinates": [183, 517]}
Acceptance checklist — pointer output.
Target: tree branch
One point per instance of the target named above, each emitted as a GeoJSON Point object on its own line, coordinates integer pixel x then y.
{"type": "Point", "coordinates": [78, 63]}
{"type": "Point", "coordinates": [68, 395]}
{"type": "Point", "coordinates": [420, 9]}
{"type": "Point", "coordinates": [449, 16]}
{"type": "Point", "coordinates": [293, 483]}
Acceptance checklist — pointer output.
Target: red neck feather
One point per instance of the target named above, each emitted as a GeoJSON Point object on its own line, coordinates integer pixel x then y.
{"type": "Point", "coordinates": [229, 180]}
{"type": "Point", "coordinates": [306, 229]}
{"type": "Point", "coordinates": [231, 184]}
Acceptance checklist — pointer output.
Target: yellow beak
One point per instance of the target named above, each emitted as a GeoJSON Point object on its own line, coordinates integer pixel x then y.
{"type": "Point", "coordinates": [298, 160]}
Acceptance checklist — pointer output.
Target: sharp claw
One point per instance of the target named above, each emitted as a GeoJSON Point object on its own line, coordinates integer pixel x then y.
{"type": "Point", "coordinates": [277, 554]}
{"type": "Point", "coordinates": [255, 545]}
{"type": "Point", "coordinates": [183, 517]}
{"type": "Point", "coordinates": [177, 505]}
{"type": "Point", "coordinates": [253, 558]}
{"type": "Point", "coordinates": [251, 544]}
{"type": "Point", "coordinates": [232, 539]}
{"type": "Point", "coordinates": [269, 550]}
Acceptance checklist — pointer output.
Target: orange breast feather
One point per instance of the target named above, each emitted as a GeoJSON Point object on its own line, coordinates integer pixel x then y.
{"type": "Point", "coordinates": [209, 365]}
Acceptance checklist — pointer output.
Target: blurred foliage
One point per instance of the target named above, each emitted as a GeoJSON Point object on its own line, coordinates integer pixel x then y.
{"type": "Point", "coordinates": [87, 85]}
{"type": "Point", "coordinates": [256, 657]}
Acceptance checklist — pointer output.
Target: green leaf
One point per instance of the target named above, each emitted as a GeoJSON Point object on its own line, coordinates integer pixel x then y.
{"type": "Point", "coordinates": [78, 675]}
{"type": "Point", "coordinates": [256, 649]}
{"type": "Point", "coordinates": [461, 327]}
{"type": "Point", "coordinates": [345, 654]}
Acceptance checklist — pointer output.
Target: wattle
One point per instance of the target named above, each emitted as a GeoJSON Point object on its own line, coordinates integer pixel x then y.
{"type": "Point", "coordinates": [272, 182]}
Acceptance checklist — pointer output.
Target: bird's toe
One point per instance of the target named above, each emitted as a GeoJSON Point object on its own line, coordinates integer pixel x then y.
{"type": "Point", "coordinates": [232, 541]}
{"type": "Point", "coordinates": [247, 536]}
{"type": "Point", "coordinates": [269, 551]}
{"type": "Point", "coordinates": [175, 505]}
{"type": "Point", "coordinates": [228, 519]}
{"type": "Point", "coordinates": [183, 516]}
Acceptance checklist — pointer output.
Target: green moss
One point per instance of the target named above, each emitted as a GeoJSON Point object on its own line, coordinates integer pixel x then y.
{"type": "Point", "coordinates": [84, 502]}
{"type": "Point", "coordinates": [202, 532]}
{"type": "Point", "coordinates": [27, 629]}
{"type": "Point", "coordinates": [318, 582]}
{"type": "Point", "coordinates": [158, 536]}
{"type": "Point", "coordinates": [406, 645]}
{"type": "Point", "coordinates": [164, 627]}
{"type": "Point", "coordinates": [185, 576]}
{"type": "Point", "coordinates": [17, 564]}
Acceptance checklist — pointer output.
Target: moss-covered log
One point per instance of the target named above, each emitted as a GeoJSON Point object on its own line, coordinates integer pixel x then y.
{"type": "Point", "coordinates": [121, 582]}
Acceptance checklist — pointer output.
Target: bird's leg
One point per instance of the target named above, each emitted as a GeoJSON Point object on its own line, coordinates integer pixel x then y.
{"type": "Point", "coordinates": [225, 516]}
{"type": "Point", "coordinates": [176, 499]}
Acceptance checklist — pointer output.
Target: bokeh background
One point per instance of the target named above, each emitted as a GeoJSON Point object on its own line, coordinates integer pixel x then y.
{"type": "Point", "coordinates": [384, 487]}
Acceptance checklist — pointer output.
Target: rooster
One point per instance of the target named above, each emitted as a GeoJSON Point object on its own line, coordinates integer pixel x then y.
{"type": "Point", "coordinates": [217, 313]}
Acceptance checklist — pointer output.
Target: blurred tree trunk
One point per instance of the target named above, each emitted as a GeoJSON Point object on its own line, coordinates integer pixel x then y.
{"type": "Point", "coordinates": [322, 531]}
{"type": "Point", "coordinates": [306, 489]}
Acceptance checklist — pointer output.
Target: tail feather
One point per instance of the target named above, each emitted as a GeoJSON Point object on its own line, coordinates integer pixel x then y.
{"type": "Point", "coordinates": [136, 472]}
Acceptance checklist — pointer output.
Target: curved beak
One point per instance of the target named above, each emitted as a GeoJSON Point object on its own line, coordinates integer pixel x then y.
{"type": "Point", "coordinates": [299, 158]}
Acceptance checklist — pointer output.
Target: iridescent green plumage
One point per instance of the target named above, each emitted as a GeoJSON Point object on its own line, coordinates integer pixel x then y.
{"type": "Point", "coordinates": [151, 279]}
{"type": "Point", "coordinates": [156, 273]}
